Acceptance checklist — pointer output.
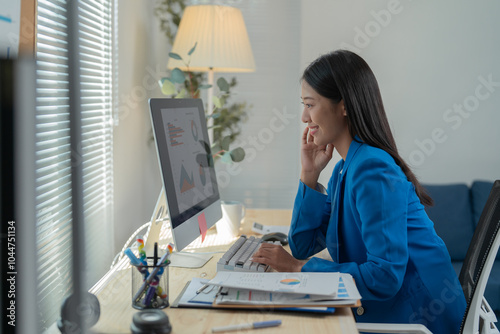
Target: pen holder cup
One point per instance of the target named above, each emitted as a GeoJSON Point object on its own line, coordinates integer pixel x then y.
{"type": "Point", "coordinates": [150, 286]}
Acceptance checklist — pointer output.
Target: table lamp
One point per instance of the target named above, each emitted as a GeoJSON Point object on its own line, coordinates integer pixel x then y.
{"type": "Point", "coordinates": [222, 42]}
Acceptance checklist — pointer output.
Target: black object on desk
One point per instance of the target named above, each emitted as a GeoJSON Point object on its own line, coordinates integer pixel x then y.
{"type": "Point", "coordinates": [276, 236]}
{"type": "Point", "coordinates": [150, 321]}
{"type": "Point", "coordinates": [89, 313]}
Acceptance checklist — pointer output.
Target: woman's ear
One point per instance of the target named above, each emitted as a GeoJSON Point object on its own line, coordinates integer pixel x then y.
{"type": "Point", "coordinates": [342, 105]}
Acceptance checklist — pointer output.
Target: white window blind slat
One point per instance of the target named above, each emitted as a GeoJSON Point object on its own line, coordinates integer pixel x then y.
{"type": "Point", "coordinates": [49, 179]}
{"type": "Point", "coordinates": [52, 102]}
{"type": "Point", "coordinates": [95, 66]}
{"type": "Point", "coordinates": [54, 283]}
{"type": "Point", "coordinates": [52, 93]}
{"type": "Point", "coordinates": [47, 58]}
{"type": "Point", "coordinates": [53, 43]}
{"type": "Point", "coordinates": [53, 166]}
{"type": "Point", "coordinates": [51, 209]}
{"type": "Point", "coordinates": [53, 33]}
{"type": "Point", "coordinates": [89, 41]}
{"type": "Point", "coordinates": [62, 234]}
{"type": "Point", "coordinates": [96, 8]}
{"type": "Point", "coordinates": [59, 193]}
{"type": "Point", "coordinates": [44, 83]}
{"type": "Point", "coordinates": [54, 156]}
{"type": "Point", "coordinates": [53, 5]}
{"type": "Point", "coordinates": [57, 22]}
{"type": "Point", "coordinates": [94, 26]}
{"type": "Point", "coordinates": [91, 73]}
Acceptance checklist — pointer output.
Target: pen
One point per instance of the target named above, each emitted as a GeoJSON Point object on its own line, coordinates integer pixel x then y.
{"type": "Point", "coordinates": [202, 288]}
{"type": "Point", "coordinates": [148, 280]}
{"type": "Point", "coordinates": [170, 249]}
{"type": "Point", "coordinates": [155, 254]}
{"type": "Point", "coordinates": [261, 324]}
{"type": "Point", "coordinates": [136, 262]}
{"type": "Point", "coordinates": [140, 248]}
{"type": "Point", "coordinates": [151, 291]}
{"type": "Point", "coordinates": [133, 259]}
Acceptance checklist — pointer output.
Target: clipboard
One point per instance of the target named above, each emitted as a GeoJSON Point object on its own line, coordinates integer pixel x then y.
{"type": "Point", "coordinates": [256, 305]}
{"type": "Point", "coordinates": [185, 300]}
{"type": "Point", "coordinates": [297, 307]}
{"type": "Point", "coordinates": [188, 294]}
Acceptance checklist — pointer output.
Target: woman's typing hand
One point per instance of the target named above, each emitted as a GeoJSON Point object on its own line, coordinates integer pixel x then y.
{"type": "Point", "coordinates": [278, 258]}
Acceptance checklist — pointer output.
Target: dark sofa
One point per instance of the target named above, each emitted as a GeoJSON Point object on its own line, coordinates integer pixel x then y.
{"type": "Point", "coordinates": [455, 214]}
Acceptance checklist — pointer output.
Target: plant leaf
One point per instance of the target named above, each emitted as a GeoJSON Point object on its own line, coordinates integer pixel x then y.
{"type": "Point", "coordinates": [168, 88]}
{"type": "Point", "coordinates": [222, 84]}
{"type": "Point", "coordinates": [177, 76]}
{"type": "Point", "coordinates": [174, 55]}
{"type": "Point", "coordinates": [182, 94]}
{"type": "Point", "coordinates": [225, 143]}
{"type": "Point", "coordinates": [205, 146]}
{"type": "Point", "coordinates": [217, 102]}
{"type": "Point", "coordinates": [222, 100]}
{"type": "Point", "coordinates": [213, 115]}
{"type": "Point", "coordinates": [176, 19]}
{"type": "Point", "coordinates": [161, 81]}
{"type": "Point", "coordinates": [210, 160]}
{"type": "Point", "coordinates": [238, 154]}
{"type": "Point", "coordinates": [192, 49]}
{"type": "Point", "coordinates": [226, 158]}
{"type": "Point", "coordinates": [216, 148]}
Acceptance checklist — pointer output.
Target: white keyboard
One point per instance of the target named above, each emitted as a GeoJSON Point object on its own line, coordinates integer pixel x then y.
{"type": "Point", "coordinates": [237, 258]}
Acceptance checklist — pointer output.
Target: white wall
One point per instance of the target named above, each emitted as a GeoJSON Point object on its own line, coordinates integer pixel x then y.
{"type": "Point", "coordinates": [427, 57]}
{"type": "Point", "coordinates": [141, 61]}
{"type": "Point", "coordinates": [268, 177]}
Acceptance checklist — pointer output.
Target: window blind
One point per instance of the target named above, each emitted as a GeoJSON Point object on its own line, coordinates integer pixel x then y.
{"type": "Point", "coordinates": [53, 154]}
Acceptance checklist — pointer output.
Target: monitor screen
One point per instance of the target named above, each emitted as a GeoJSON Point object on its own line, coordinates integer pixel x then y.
{"type": "Point", "coordinates": [187, 167]}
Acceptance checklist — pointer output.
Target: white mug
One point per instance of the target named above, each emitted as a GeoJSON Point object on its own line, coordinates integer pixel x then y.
{"type": "Point", "coordinates": [232, 214]}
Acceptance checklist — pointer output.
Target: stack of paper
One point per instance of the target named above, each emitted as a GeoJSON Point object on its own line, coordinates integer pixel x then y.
{"type": "Point", "coordinates": [285, 290]}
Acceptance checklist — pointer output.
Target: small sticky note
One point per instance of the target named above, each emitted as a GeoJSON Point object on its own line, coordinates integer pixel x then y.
{"type": "Point", "coordinates": [202, 223]}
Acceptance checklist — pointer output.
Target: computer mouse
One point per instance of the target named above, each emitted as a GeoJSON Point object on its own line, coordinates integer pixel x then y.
{"type": "Point", "coordinates": [276, 236]}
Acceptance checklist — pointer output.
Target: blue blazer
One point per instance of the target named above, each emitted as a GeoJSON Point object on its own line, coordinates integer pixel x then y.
{"type": "Point", "coordinates": [375, 228]}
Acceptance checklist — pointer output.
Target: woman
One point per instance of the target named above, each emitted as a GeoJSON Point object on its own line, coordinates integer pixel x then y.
{"type": "Point", "coordinates": [372, 220]}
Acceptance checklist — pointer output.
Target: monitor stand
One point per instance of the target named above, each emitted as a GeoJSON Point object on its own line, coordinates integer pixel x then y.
{"type": "Point", "coordinates": [177, 259]}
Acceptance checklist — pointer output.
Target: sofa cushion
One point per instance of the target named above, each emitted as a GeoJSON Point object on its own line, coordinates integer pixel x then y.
{"type": "Point", "coordinates": [480, 190]}
{"type": "Point", "coordinates": [452, 217]}
{"type": "Point", "coordinates": [457, 265]}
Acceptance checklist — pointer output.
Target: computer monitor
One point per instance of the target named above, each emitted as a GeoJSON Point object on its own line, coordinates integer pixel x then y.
{"type": "Point", "coordinates": [187, 169]}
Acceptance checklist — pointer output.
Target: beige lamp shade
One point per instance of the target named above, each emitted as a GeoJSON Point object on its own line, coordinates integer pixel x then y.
{"type": "Point", "coordinates": [221, 37]}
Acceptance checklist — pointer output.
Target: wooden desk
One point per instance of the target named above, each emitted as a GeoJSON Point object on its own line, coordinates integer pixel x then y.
{"type": "Point", "coordinates": [114, 294]}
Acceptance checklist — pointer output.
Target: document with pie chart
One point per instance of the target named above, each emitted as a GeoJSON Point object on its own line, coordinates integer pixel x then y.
{"type": "Point", "coordinates": [314, 291]}
{"type": "Point", "coordinates": [325, 284]}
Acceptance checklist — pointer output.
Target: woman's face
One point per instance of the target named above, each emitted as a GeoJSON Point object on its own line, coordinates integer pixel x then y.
{"type": "Point", "coordinates": [326, 120]}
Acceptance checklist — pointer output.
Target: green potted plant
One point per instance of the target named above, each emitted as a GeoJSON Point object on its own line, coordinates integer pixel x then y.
{"type": "Point", "coordinates": [181, 84]}
{"type": "Point", "coordinates": [226, 118]}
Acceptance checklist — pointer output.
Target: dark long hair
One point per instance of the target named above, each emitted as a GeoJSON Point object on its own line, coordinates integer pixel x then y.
{"type": "Point", "coordinates": [343, 75]}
